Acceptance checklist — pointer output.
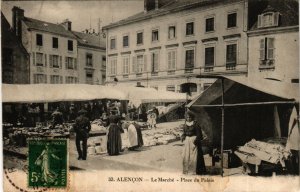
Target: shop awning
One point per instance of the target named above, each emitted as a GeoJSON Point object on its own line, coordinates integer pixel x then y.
{"type": "Point", "coordinates": [35, 93]}
{"type": "Point", "coordinates": [139, 95]}
{"type": "Point", "coordinates": [240, 90]}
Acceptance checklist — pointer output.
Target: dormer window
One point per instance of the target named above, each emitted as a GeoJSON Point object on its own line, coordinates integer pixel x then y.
{"type": "Point", "coordinates": [268, 19]}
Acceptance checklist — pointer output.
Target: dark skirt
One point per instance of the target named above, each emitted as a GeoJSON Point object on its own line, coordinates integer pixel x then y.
{"type": "Point", "coordinates": [200, 167]}
{"type": "Point", "coordinates": [114, 142]}
{"type": "Point", "coordinates": [139, 136]}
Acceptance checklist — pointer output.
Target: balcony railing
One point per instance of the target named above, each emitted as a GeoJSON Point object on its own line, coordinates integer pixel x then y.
{"type": "Point", "coordinates": [227, 68]}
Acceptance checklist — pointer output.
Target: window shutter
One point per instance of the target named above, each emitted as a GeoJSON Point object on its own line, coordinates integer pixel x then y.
{"type": "Point", "coordinates": [276, 18]}
{"type": "Point", "coordinates": [66, 62]}
{"type": "Point", "coordinates": [33, 58]}
{"type": "Point", "coordinates": [145, 63]}
{"type": "Point", "coordinates": [50, 60]}
{"type": "Point", "coordinates": [270, 44]}
{"type": "Point", "coordinates": [124, 63]}
{"type": "Point", "coordinates": [134, 67]}
{"type": "Point", "coordinates": [60, 61]}
{"type": "Point", "coordinates": [45, 78]}
{"type": "Point", "coordinates": [75, 64]}
{"type": "Point", "coordinates": [61, 79]}
{"type": "Point", "coordinates": [108, 67]}
{"type": "Point", "coordinates": [262, 49]}
{"type": "Point", "coordinates": [174, 59]}
{"type": "Point", "coordinates": [259, 21]}
{"type": "Point", "coordinates": [45, 60]}
{"type": "Point", "coordinates": [157, 62]}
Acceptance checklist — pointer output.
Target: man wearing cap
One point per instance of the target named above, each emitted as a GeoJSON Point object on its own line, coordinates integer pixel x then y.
{"type": "Point", "coordinates": [82, 128]}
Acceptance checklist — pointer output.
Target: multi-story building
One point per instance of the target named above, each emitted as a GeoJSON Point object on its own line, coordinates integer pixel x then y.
{"type": "Point", "coordinates": [15, 59]}
{"type": "Point", "coordinates": [91, 58]}
{"type": "Point", "coordinates": [57, 55]}
{"type": "Point", "coordinates": [171, 42]}
{"type": "Point", "coordinates": [274, 42]}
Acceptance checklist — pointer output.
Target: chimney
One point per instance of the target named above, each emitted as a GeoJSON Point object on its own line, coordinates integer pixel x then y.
{"type": "Point", "coordinates": [17, 17]}
{"type": "Point", "coordinates": [67, 24]}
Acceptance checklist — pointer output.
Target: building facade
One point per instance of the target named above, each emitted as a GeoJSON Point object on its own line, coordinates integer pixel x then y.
{"type": "Point", "coordinates": [57, 55]}
{"type": "Point", "coordinates": [15, 59]}
{"type": "Point", "coordinates": [274, 43]}
{"type": "Point", "coordinates": [168, 46]}
{"type": "Point", "coordinates": [91, 58]}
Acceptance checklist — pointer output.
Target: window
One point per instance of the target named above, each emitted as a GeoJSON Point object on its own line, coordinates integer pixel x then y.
{"type": "Point", "coordinates": [112, 43]}
{"type": "Point", "coordinates": [103, 62]}
{"type": "Point", "coordinates": [155, 35]}
{"type": "Point", "coordinates": [125, 41]}
{"type": "Point", "coordinates": [154, 61]}
{"type": "Point", "coordinates": [125, 64]}
{"type": "Point", "coordinates": [172, 32]}
{"type": "Point", "coordinates": [89, 77]}
{"type": "Point", "coordinates": [70, 63]}
{"type": "Point", "coordinates": [231, 55]}
{"type": "Point", "coordinates": [54, 42]}
{"type": "Point", "coordinates": [266, 51]}
{"type": "Point", "coordinates": [231, 20]}
{"type": "Point", "coordinates": [39, 40]}
{"type": "Point", "coordinates": [70, 45]}
{"type": "Point", "coordinates": [189, 58]}
{"type": "Point", "coordinates": [139, 38]}
{"type": "Point", "coordinates": [140, 63]}
{"type": "Point", "coordinates": [171, 59]}
{"type": "Point", "coordinates": [89, 59]}
{"type": "Point", "coordinates": [54, 61]}
{"type": "Point", "coordinates": [71, 80]}
{"type": "Point", "coordinates": [209, 24]}
{"type": "Point", "coordinates": [39, 78]}
{"type": "Point", "coordinates": [209, 56]}
{"type": "Point", "coordinates": [113, 66]}
{"type": "Point", "coordinates": [268, 19]}
{"type": "Point", "coordinates": [55, 79]}
{"type": "Point", "coordinates": [171, 88]}
{"type": "Point", "coordinates": [39, 59]}
{"type": "Point", "coordinates": [190, 28]}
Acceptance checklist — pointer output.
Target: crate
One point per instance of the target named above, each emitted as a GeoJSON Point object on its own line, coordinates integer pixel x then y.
{"type": "Point", "coordinates": [228, 159]}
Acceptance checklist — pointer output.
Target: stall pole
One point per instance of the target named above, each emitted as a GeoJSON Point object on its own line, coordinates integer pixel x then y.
{"type": "Point", "coordinates": [222, 128]}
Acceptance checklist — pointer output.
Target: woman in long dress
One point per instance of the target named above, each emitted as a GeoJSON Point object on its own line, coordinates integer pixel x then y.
{"type": "Point", "coordinates": [193, 161]}
{"type": "Point", "coordinates": [114, 142]}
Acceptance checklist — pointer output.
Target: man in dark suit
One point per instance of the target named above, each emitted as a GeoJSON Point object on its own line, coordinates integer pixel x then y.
{"type": "Point", "coordinates": [82, 128]}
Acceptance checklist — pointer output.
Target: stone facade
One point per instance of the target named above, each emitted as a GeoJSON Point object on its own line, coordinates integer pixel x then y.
{"type": "Point", "coordinates": [178, 45]}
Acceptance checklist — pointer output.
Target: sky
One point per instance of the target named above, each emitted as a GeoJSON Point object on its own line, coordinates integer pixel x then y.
{"type": "Point", "coordinates": [83, 14]}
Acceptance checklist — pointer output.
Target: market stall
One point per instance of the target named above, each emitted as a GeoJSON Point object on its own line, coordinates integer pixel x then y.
{"type": "Point", "coordinates": [241, 109]}
{"type": "Point", "coordinates": [15, 96]}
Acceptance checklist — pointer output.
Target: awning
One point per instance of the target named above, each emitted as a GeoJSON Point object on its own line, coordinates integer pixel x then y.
{"type": "Point", "coordinates": [139, 95]}
{"type": "Point", "coordinates": [36, 93]}
{"type": "Point", "coordinates": [244, 90]}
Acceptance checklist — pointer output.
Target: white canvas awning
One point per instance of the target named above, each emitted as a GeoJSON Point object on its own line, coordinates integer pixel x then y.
{"type": "Point", "coordinates": [139, 95]}
{"type": "Point", "coordinates": [35, 93]}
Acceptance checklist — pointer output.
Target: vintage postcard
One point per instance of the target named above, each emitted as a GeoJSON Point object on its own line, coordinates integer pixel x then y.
{"type": "Point", "coordinates": [150, 95]}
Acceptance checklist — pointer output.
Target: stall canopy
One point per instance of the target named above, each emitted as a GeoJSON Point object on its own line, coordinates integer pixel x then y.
{"type": "Point", "coordinates": [35, 93]}
{"type": "Point", "coordinates": [241, 90]}
{"type": "Point", "coordinates": [244, 108]}
{"type": "Point", "coordinates": [139, 95]}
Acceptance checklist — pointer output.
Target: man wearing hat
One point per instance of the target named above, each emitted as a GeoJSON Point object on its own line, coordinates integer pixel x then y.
{"type": "Point", "coordinates": [82, 128]}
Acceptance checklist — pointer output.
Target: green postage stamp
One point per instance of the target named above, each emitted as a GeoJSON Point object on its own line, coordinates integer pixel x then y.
{"type": "Point", "coordinates": [48, 163]}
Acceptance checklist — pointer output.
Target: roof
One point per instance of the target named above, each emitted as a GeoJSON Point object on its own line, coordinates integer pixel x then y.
{"type": "Point", "coordinates": [47, 27]}
{"type": "Point", "coordinates": [90, 40]}
{"type": "Point", "coordinates": [288, 9]}
{"type": "Point", "coordinates": [241, 89]}
{"type": "Point", "coordinates": [8, 36]}
{"type": "Point", "coordinates": [174, 6]}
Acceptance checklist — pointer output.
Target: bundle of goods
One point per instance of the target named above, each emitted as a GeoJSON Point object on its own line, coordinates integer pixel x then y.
{"type": "Point", "coordinates": [97, 126]}
{"type": "Point", "coordinates": [161, 137]}
{"type": "Point", "coordinates": [97, 145]}
{"type": "Point", "coordinates": [254, 152]}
